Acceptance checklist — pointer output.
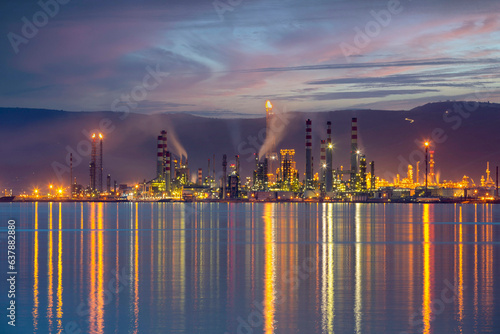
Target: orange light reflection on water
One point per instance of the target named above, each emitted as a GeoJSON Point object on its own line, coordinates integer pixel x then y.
{"type": "Point", "coordinates": [427, 274]}
{"type": "Point", "coordinates": [100, 268]}
{"type": "Point", "coordinates": [35, 273]}
{"type": "Point", "coordinates": [50, 272]}
{"type": "Point", "coordinates": [269, 266]}
{"type": "Point", "coordinates": [59, 310]}
{"type": "Point", "coordinates": [92, 272]}
{"type": "Point", "coordinates": [136, 270]}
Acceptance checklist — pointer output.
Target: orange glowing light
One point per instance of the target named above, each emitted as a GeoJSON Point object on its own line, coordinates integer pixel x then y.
{"type": "Point", "coordinates": [426, 144]}
{"type": "Point", "coordinates": [93, 135]}
{"type": "Point", "coordinates": [100, 135]}
{"type": "Point", "coordinates": [269, 105]}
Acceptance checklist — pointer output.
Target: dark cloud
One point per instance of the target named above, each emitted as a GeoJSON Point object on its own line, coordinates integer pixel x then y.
{"type": "Point", "coordinates": [403, 63]}
{"type": "Point", "coordinates": [92, 52]}
{"type": "Point", "coordinates": [368, 94]}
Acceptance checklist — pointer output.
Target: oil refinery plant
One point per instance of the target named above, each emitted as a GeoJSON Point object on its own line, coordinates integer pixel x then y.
{"type": "Point", "coordinates": [275, 176]}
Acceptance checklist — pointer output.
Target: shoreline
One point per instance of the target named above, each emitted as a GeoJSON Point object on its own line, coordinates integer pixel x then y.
{"type": "Point", "coordinates": [376, 201]}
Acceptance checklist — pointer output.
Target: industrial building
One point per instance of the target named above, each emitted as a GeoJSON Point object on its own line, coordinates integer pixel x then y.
{"type": "Point", "coordinates": [276, 177]}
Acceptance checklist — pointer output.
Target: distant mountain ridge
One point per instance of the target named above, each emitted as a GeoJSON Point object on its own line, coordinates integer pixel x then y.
{"type": "Point", "coordinates": [34, 140]}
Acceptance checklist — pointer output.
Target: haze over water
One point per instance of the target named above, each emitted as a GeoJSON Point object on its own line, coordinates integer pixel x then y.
{"type": "Point", "coordinates": [255, 268]}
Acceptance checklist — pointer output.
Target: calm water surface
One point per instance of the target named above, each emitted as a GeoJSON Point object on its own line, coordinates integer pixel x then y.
{"type": "Point", "coordinates": [254, 268]}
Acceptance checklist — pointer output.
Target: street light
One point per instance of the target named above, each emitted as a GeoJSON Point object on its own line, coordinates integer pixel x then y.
{"type": "Point", "coordinates": [426, 150]}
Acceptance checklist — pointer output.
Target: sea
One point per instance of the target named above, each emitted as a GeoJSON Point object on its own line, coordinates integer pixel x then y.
{"type": "Point", "coordinates": [249, 268]}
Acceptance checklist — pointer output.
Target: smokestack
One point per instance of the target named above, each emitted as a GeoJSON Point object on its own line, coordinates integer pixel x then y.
{"type": "Point", "coordinates": [354, 150]}
{"type": "Point", "coordinates": [372, 172]}
{"type": "Point", "coordinates": [237, 165]}
{"type": "Point", "coordinates": [167, 173]}
{"type": "Point", "coordinates": [93, 164]}
{"type": "Point", "coordinates": [322, 160]}
{"type": "Point", "coordinates": [224, 176]}
{"type": "Point", "coordinates": [159, 158]}
{"type": "Point", "coordinates": [329, 158]}
{"type": "Point", "coordinates": [208, 170]}
{"type": "Point", "coordinates": [71, 174]}
{"type": "Point", "coordinates": [432, 175]}
{"type": "Point", "coordinates": [100, 162]}
{"type": "Point", "coordinates": [108, 183]}
{"type": "Point", "coordinates": [417, 172]}
{"type": "Point", "coordinates": [165, 162]}
{"type": "Point", "coordinates": [308, 154]}
{"type": "Point", "coordinates": [269, 120]}
{"type": "Point", "coordinates": [362, 171]}
{"type": "Point", "coordinates": [213, 165]}
{"type": "Point", "coordinates": [200, 176]}
{"type": "Point", "coordinates": [497, 181]}
{"type": "Point", "coordinates": [164, 142]}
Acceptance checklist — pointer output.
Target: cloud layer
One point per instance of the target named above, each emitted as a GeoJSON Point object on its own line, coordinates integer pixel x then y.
{"type": "Point", "coordinates": [228, 61]}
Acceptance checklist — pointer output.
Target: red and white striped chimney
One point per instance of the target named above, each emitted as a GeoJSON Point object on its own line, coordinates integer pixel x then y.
{"type": "Point", "coordinates": [200, 176]}
{"type": "Point", "coordinates": [159, 162]}
{"type": "Point", "coordinates": [309, 175]}
{"type": "Point", "coordinates": [354, 147]}
{"type": "Point", "coordinates": [329, 158]}
{"type": "Point", "coordinates": [322, 157]}
{"type": "Point", "coordinates": [164, 142]}
{"type": "Point", "coordinates": [329, 132]}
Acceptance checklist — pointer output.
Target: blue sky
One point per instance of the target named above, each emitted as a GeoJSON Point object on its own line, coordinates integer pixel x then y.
{"type": "Point", "coordinates": [225, 58]}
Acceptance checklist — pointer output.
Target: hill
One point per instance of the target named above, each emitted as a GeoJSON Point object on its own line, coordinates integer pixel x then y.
{"type": "Point", "coordinates": [464, 134]}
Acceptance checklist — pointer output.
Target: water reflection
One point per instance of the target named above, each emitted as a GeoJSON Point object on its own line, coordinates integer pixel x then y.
{"type": "Point", "coordinates": [269, 268]}
{"type": "Point", "coordinates": [216, 268]}
{"type": "Point", "coordinates": [35, 273]}
{"type": "Point", "coordinates": [358, 297]}
{"type": "Point", "coordinates": [59, 308]}
{"type": "Point", "coordinates": [328, 267]}
{"type": "Point", "coordinates": [50, 272]}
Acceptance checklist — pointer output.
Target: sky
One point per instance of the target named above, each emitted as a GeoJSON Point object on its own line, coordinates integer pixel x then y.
{"type": "Point", "coordinates": [225, 58]}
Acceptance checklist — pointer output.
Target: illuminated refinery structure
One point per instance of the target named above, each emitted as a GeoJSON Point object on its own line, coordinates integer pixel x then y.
{"type": "Point", "coordinates": [272, 156]}
{"type": "Point", "coordinates": [276, 176]}
{"type": "Point", "coordinates": [286, 184]}
{"type": "Point", "coordinates": [95, 166]}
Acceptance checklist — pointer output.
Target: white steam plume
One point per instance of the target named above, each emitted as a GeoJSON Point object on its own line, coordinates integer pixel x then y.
{"type": "Point", "coordinates": [276, 132]}
{"type": "Point", "coordinates": [173, 141]}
